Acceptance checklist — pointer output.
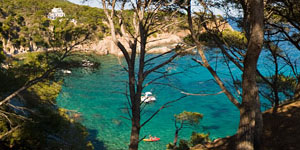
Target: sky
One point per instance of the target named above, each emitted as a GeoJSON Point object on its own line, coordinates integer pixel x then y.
{"type": "Point", "coordinates": [92, 3]}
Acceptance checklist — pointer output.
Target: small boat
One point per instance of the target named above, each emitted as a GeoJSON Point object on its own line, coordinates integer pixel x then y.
{"type": "Point", "coordinates": [86, 63]}
{"type": "Point", "coordinates": [66, 71]}
{"type": "Point", "coordinates": [148, 97]}
{"type": "Point", "coordinates": [152, 139]}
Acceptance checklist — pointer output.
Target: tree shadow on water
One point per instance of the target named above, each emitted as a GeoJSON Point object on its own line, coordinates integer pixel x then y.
{"type": "Point", "coordinates": [98, 145]}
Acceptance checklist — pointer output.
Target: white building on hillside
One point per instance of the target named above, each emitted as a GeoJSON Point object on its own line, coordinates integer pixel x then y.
{"type": "Point", "coordinates": [56, 13]}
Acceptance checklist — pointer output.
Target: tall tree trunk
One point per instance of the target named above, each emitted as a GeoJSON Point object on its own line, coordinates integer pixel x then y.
{"type": "Point", "coordinates": [276, 99]}
{"type": "Point", "coordinates": [135, 120]}
{"type": "Point", "coordinates": [250, 127]}
{"type": "Point", "coordinates": [275, 81]}
{"type": "Point", "coordinates": [135, 102]}
{"type": "Point", "coordinates": [31, 46]}
{"type": "Point", "coordinates": [176, 137]}
{"type": "Point", "coordinates": [135, 133]}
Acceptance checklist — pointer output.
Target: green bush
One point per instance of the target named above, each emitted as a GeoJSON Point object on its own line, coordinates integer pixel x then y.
{"type": "Point", "coordinates": [235, 39]}
{"type": "Point", "coordinates": [170, 146]}
{"type": "Point", "coordinates": [199, 138]}
{"type": "Point", "coordinates": [49, 125]}
{"type": "Point", "coordinates": [183, 145]}
{"type": "Point", "coordinates": [2, 56]}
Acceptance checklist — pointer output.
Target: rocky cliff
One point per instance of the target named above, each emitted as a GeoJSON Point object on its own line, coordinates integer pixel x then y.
{"type": "Point", "coordinates": [159, 43]}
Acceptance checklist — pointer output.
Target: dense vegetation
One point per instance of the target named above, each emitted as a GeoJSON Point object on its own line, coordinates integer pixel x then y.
{"type": "Point", "coordinates": [32, 120]}
{"type": "Point", "coordinates": [24, 23]}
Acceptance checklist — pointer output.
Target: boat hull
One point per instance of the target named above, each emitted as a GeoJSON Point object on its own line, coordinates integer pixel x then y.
{"type": "Point", "coordinates": [151, 140]}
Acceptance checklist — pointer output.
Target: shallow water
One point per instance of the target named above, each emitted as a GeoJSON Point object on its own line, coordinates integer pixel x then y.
{"type": "Point", "coordinates": [96, 95]}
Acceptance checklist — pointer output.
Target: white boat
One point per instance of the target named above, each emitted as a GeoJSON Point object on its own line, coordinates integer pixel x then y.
{"type": "Point", "coordinates": [66, 71]}
{"type": "Point", "coordinates": [86, 63]}
{"type": "Point", "coordinates": [148, 98]}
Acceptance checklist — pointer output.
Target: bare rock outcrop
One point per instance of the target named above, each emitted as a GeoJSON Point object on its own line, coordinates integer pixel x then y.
{"type": "Point", "coordinates": [159, 43]}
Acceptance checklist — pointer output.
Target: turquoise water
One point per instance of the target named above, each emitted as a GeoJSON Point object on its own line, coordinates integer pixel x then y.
{"type": "Point", "coordinates": [97, 96]}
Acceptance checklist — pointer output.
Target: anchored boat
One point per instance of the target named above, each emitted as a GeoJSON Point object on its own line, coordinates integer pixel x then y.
{"type": "Point", "coordinates": [148, 98]}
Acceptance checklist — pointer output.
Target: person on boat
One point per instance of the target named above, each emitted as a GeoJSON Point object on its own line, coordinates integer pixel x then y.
{"type": "Point", "coordinates": [150, 137]}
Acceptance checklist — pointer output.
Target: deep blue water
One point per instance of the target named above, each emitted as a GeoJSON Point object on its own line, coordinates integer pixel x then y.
{"type": "Point", "coordinates": [96, 95]}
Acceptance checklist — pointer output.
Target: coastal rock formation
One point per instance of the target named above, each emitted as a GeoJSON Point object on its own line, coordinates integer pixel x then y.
{"type": "Point", "coordinates": [159, 43]}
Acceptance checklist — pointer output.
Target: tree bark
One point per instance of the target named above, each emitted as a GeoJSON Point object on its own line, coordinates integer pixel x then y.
{"type": "Point", "coordinates": [175, 137]}
{"type": "Point", "coordinates": [134, 137]}
{"type": "Point", "coordinates": [135, 130]}
{"type": "Point", "coordinates": [135, 101]}
{"type": "Point", "coordinates": [250, 127]}
{"type": "Point", "coordinates": [275, 86]}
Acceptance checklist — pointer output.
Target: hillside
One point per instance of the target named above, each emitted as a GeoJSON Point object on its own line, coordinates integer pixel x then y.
{"type": "Point", "coordinates": [25, 26]}
{"type": "Point", "coordinates": [281, 130]}
{"type": "Point", "coordinates": [35, 10]}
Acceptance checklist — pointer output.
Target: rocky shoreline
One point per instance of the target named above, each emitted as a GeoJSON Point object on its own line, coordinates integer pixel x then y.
{"type": "Point", "coordinates": [159, 43]}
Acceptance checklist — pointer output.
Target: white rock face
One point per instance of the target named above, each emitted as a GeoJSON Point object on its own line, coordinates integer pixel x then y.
{"type": "Point", "coordinates": [159, 44]}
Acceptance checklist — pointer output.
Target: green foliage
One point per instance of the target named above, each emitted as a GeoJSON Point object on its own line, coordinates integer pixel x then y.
{"type": "Point", "coordinates": [192, 118]}
{"type": "Point", "coordinates": [182, 120]}
{"type": "Point", "coordinates": [170, 146]}
{"type": "Point", "coordinates": [183, 145]}
{"type": "Point", "coordinates": [189, 40]}
{"type": "Point", "coordinates": [235, 39]}
{"type": "Point", "coordinates": [30, 66]}
{"type": "Point", "coordinates": [50, 127]}
{"type": "Point", "coordinates": [10, 28]}
{"type": "Point", "coordinates": [50, 130]}
{"type": "Point", "coordinates": [199, 138]}
{"type": "Point", "coordinates": [39, 28]}
{"type": "Point", "coordinates": [195, 139]}
{"type": "Point", "coordinates": [284, 12]}
{"type": "Point", "coordinates": [46, 91]}
{"type": "Point", "coordinates": [89, 146]}
{"type": "Point", "coordinates": [285, 84]}
{"type": "Point", "coordinates": [21, 70]}
{"type": "Point", "coordinates": [231, 38]}
{"type": "Point", "coordinates": [128, 16]}
{"type": "Point", "coordinates": [2, 56]}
